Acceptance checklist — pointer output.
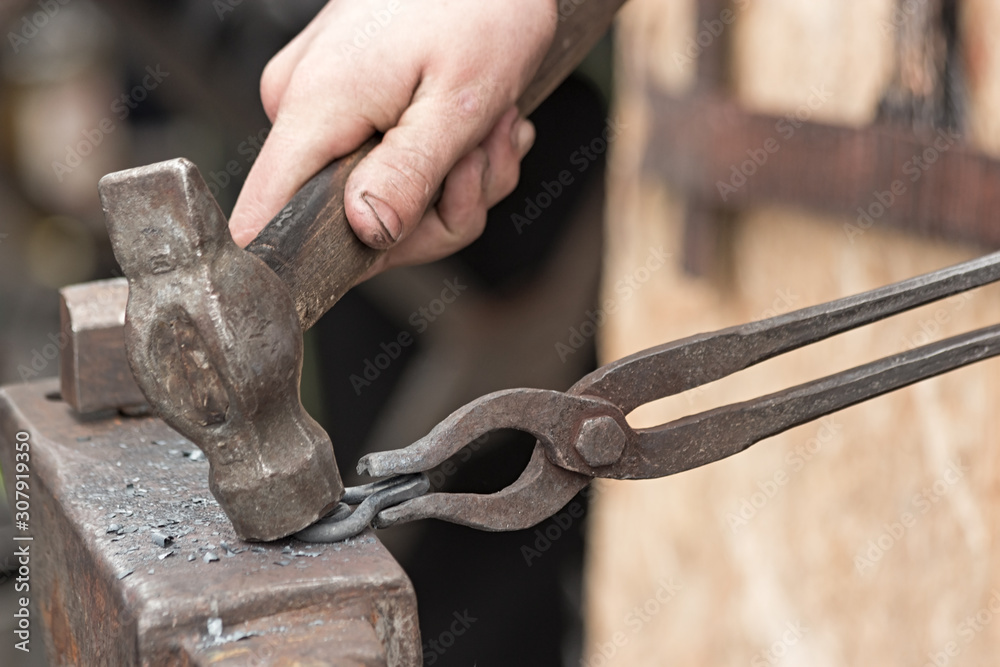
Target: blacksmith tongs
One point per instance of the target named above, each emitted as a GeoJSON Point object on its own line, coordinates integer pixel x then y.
{"type": "Point", "coordinates": [583, 434]}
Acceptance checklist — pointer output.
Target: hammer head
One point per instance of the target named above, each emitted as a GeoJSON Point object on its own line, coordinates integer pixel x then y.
{"type": "Point", "coordinates": [215, 345]}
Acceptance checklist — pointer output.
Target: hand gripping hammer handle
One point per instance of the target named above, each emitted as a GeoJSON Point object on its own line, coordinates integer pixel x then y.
{"type": "Point", "coordinates": [310, 244]}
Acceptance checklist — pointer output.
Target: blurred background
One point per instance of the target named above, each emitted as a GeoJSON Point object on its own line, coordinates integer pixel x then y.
{"type": "Point", "coordinates": [760, 156]}
{"type": "Point", "coordinates": [88, 88]}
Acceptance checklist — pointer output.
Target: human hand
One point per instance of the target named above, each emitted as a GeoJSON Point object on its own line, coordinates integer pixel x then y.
{"type": "Point", "coordinates": [439, 79]}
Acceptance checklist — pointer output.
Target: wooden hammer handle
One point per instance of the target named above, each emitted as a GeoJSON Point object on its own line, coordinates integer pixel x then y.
{"type": "Point", "coordinates": [310, 244]}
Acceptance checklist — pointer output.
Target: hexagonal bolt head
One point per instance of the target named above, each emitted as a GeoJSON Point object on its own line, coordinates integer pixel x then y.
{"type": "Point", "coordinates": [600, 441]}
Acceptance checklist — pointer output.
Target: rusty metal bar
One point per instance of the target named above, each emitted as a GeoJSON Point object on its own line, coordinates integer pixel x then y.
{"type": "Point", "coordinates": [708, 146]}
{"type": "Point", "coordinates": [93, 370]}
{"type": "Point", "coordinates": [133, 562]}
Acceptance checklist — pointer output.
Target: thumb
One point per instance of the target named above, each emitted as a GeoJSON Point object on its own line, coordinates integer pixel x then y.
{"type": "Point", "coordinates": [388, 192]}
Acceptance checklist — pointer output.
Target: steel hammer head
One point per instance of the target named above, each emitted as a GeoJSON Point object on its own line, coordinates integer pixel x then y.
{"type": "Point", "coordinates": [215, 344]}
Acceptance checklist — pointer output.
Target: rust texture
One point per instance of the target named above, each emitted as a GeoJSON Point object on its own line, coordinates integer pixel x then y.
{"type": "Point", "coordinates": [107, 493]}
{"type": "Point", "coordinates": [583, 433]}
{"type": "Point", "coordinates": [701, 141]}
{"type": "Point", "coordinates": [215, 344]}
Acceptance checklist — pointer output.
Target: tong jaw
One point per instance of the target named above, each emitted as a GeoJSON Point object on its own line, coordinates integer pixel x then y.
{"type": "Point", "coordinates": [577, 432]}
{"type": "Point", "coordinates": [573, 432]}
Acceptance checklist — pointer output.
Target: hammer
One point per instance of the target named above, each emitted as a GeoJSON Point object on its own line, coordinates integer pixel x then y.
{"type": "Point", "coordinates": [213, 332]}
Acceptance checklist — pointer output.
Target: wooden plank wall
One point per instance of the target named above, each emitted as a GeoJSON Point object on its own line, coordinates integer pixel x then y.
{"type": "Point", "coordinates": [870, 538]}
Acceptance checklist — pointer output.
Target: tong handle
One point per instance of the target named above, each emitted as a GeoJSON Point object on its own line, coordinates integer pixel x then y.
{"type": "Point", "coordinates": [691, 442]}
{"type": "Point", "coordinates": [684, 364]}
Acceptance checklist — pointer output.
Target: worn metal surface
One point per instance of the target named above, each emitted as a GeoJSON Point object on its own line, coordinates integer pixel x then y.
{"type": "Point", "coordinates": [103, 494]}
{"type": "Point", "coordinates": [93, 369]}
{"type": "Point", "coordinates": [583, 433]}
{"type": "Point", "coordinates": [216, 346]}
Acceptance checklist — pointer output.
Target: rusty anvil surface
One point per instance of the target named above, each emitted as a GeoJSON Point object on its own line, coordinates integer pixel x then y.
{"type": "Point", "coordinates": [100, 487]}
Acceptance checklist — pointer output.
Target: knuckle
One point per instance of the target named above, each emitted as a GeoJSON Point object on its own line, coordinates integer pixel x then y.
{"type": "Point", "coordinates": [271, 88]}
{"type": "Point", "coordinates": [469, 227]}
{"type": "Point", "coordinates": [415, 180]}
{"type": "Point", "coordinates": [463, 218]}
{"type": "Point", "coordinates": [473, 101]}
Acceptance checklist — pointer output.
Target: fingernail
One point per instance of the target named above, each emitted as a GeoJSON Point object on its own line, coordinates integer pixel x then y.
{"type": "Point", "coordinates": [522, 136]}
{"type": "Point", "coordinates": [387, 218]}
